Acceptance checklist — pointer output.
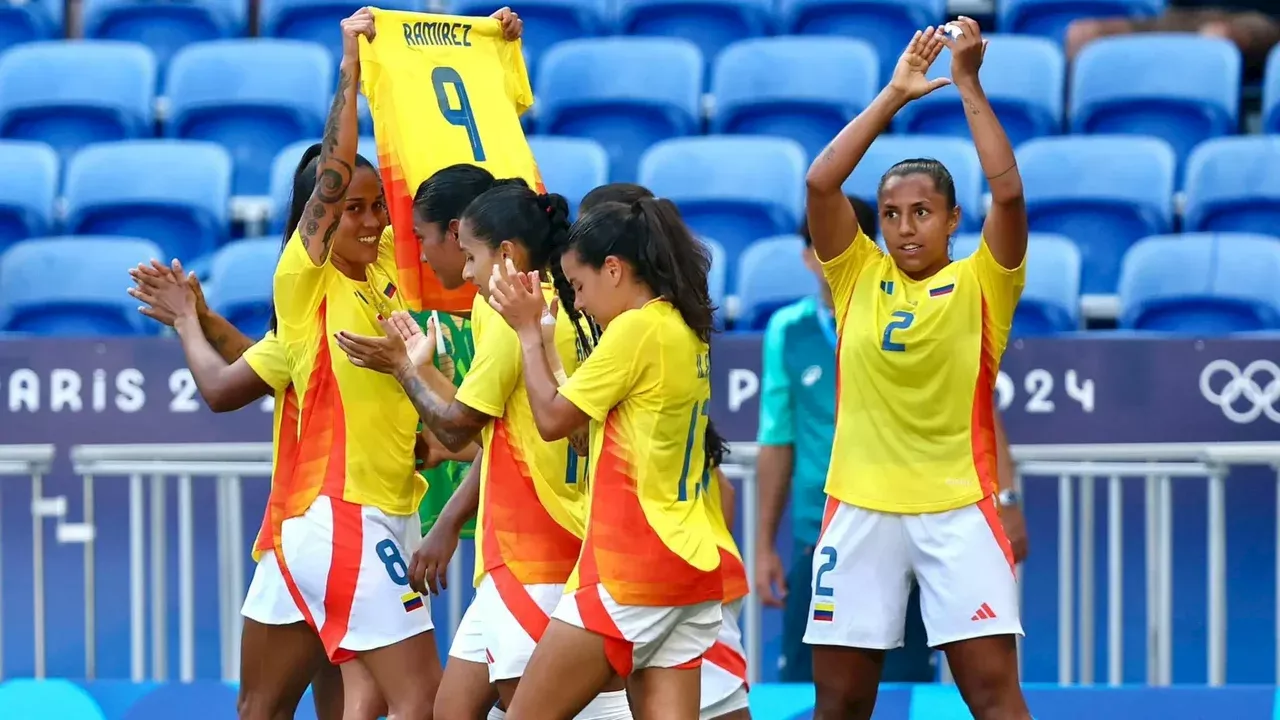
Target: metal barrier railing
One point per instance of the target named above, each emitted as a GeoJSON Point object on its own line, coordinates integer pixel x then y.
{"type": "Point", "coordinates": [1076, 467]}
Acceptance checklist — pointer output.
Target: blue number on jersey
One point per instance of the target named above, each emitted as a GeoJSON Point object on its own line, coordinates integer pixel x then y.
{"type": "Point", "coordinates": [463, 117]}
{"type": "Point", "coordinates": [902, 321]}
{"type": "Point", "coordinates": [692, 441]}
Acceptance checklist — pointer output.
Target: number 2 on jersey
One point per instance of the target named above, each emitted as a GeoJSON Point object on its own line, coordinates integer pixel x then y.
{"type": "Point", "coordinates": [692, 442]}
{"type": "Point", "coordinates": [462, 116]}
{"type": "Point", "coordinates": [901, 321]}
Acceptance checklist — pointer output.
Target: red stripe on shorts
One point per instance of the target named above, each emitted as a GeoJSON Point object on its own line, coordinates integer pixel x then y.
{"type": "Point", "coordinates": [989, 511]}
{"type": "Point", "coordinates": [519, 602]}
{"type": "Point", "coordinates": [340, 585]}
{"type": "Point", "coordinates": [728, 659]}
{"type": "Point", "coordinates": [595, 617]}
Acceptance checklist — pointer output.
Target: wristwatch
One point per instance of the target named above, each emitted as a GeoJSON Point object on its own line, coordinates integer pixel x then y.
{"type": "Point", "coordinates": [1008, 497]}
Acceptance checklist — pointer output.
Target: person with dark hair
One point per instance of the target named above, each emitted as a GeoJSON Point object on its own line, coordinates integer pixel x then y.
{"type": "Point", "coordinates": [644, 602]}
{"type": "Point", "coordinates": [532, 512]}
{"type": "Point", "coordinates": [231, 371]}
{"type": "Point", "coordinates": [344, 515]}
{"type": "Point", "coordinates": [913, 482]}
{"type": "Point", "coordinates": [724, 668]}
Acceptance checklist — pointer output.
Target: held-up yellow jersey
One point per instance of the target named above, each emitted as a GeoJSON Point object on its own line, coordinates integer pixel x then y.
{"type": "Point", "coordinates": [443, 90]}
{"type": "Point", "coordinates": [916, 371]}
{"type": "Point", "coordinates": [649, 536]}
{"type": "Point", "coordinates": [270, 363]}
{"type": "Point", "coordinates": [356, 431]}
{"type": "Point", "coordinates": [532, 513]}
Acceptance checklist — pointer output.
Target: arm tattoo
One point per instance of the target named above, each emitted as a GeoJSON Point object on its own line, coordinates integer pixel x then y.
{"type": "Point", "coordinates": [333, 176]}
{"type": "Point", "coordinates": [1002, 173]}
{"type": "Point", "coordinates": [972, 107]}
{"type": "Point", "coordinates": [454, 424]}
{"type": "Point", "coordinates": [828, 154]}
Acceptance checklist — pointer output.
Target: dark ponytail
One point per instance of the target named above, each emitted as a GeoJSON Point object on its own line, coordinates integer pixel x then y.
{"type": "Point", "coordinates": [304, 184]}
{"type": "Point", "coordinates": [651, 236]}
{"type": "Point", "coordinates": [512, 212]}
{"type": "Point", "coordinates": [716, 446]}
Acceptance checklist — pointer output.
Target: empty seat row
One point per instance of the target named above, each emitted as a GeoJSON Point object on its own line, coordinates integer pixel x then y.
{"type": "Point", "coordinates": [1102, 192]}
{"type": "Point", "coordinates": [628, 93]}
{"type": "Point", "coordinates": [167, 27]}
{"type": "Point", "coordinates": [1201, 283]}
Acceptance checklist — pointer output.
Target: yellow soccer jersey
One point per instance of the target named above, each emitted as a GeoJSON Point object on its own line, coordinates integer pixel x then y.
{"type": "Point", "coordinates": [916, 371]}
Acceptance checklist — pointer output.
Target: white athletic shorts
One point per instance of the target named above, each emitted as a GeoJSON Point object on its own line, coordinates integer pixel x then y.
{"type": "Point", "coordinates": [512, 618]}
{"type": "Point", "coordinates": [641, 636]}
{"type": "Point", "coordinates": [347, 568]}
{"type": "Point", "coordinates": [724, 667]}
{"type": "Point", "coordinates": [268, 600]}
{"type": "Point", "coordinates": [865, 560]}
{"type": "Point", "coordinates": [468, 639]}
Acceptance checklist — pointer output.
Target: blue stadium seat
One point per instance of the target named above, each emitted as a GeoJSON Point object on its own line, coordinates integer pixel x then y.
{"type": "Point", "coordinates": [710, 24]}
{"type": "Point", "coordinates": [717, 279]}
{"type": "Point", "coordinates": [1105, 193]}
{"type": "Point", "coordinates": [1202, 283]}
{"type": "Point", "coordinates": [68, 94]}
{"type": "Point", "coordinates": [72, 286]}
{"type": "Point", "coordinates": [570, 166]}
{"type": "Point", "coordinates": [1050, 301]}
{"type": "Point", "coordinates": [317, 20]}
{"type": "Point", "coordinates": [1050, 18]}
{"type": "Point", "coordinates": [1023, 77]}
{"type": "Point", "coordinates": [25, 698]}
{"type": "Point", "coordinates": [1271, 93]}
{"type": "Point", "coordinates": [285, 164]}
{"type": "Point", "coordinates": [28, 188]}
{"type": "Point", "coordinates": [22, 22]}
{"type": "Point", "coordinates": [199, 700]}
{"type": "Point", "coordinates": [805, 89]}
{"type": "Point", "coordinates": [165, 27]}
{"type": "Point", "coordinates": [1184, 89]}
{"type": "Point", "coordinates": [547, 22]}
{"type": "Point", "coordinates": [959, 157]}
{"type": "Point", "coordinates": [625, 93]}
{"type": "Point", "coordinates": [218, 91]}
{"type": "Point", "coordinates": [886, 24]}
{"type": "Point", "coordinates": [735, 189]}
{"type": "Point", "coordinates": [771, 273]}
{"type": "Point", "coordinates": [1233, 185]}
{"type": "Point", "coordinates": [173, 193]}
{"type": "Point", "coordinates": [239, 287]}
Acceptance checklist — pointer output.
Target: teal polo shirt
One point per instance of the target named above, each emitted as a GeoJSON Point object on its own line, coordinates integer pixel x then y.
{"type": "Point", "coordinates": [798, 404]}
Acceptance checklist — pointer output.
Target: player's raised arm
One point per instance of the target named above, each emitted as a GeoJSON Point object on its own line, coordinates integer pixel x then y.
{"type": "Point", "coordinates": [832, 223]}
{"type": "Point", "coordinates": [1005, 229]}
{"type": "Point", "coordinates": [338, 146]}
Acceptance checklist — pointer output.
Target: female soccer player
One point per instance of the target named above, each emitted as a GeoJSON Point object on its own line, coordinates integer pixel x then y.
{"type": "Point", "coordinates": [532, 511]}
{"type": "Point", "coordinates": [232, 371]}
{"type": "Point", "coordinates": [644, 601]}
{"type": "Point", "coordinates": [724, 670]}
{"type": "Point", "coordinates": [346, 507]}
{"type": "Point", "coordinates": [913, 468]}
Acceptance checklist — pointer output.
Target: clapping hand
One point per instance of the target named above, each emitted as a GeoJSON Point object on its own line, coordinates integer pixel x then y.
{"type": "Point", "coordinates": [518, 298]}
{"type": "Point", "coordinates": [168, 292]}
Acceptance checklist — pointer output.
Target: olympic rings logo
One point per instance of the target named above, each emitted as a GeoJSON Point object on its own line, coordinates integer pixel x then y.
{"type": "Point", "coordinates": [1246, 384]}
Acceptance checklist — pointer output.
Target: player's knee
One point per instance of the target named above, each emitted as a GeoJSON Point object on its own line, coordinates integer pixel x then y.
{"type": "Point", "coordinates": [842, 701]}
{"type": "Point", "coordinates": [259, 705]}
{"type": "Point", "coordinates": [994, 697]}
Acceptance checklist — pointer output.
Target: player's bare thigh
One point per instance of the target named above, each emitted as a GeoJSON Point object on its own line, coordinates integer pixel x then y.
{"type": "Point", "coordinates": [465, 691]}
{"type": "Point", "coordinates": [567, 670]}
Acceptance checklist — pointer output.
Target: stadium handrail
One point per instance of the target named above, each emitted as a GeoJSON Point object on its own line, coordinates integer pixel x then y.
{"type": "Point", "coordinates": [1076, 467]}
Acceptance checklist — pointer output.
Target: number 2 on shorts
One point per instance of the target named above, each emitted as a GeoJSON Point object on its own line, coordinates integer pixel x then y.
{"type": "Point", "coordinates": [902, 321]}
{"type": "Point", "coordinates": [391, 559]}
{"type": "Point", "coordinates": [462, 116]}
{"type": "Point", "coordinates": [818, 588]}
